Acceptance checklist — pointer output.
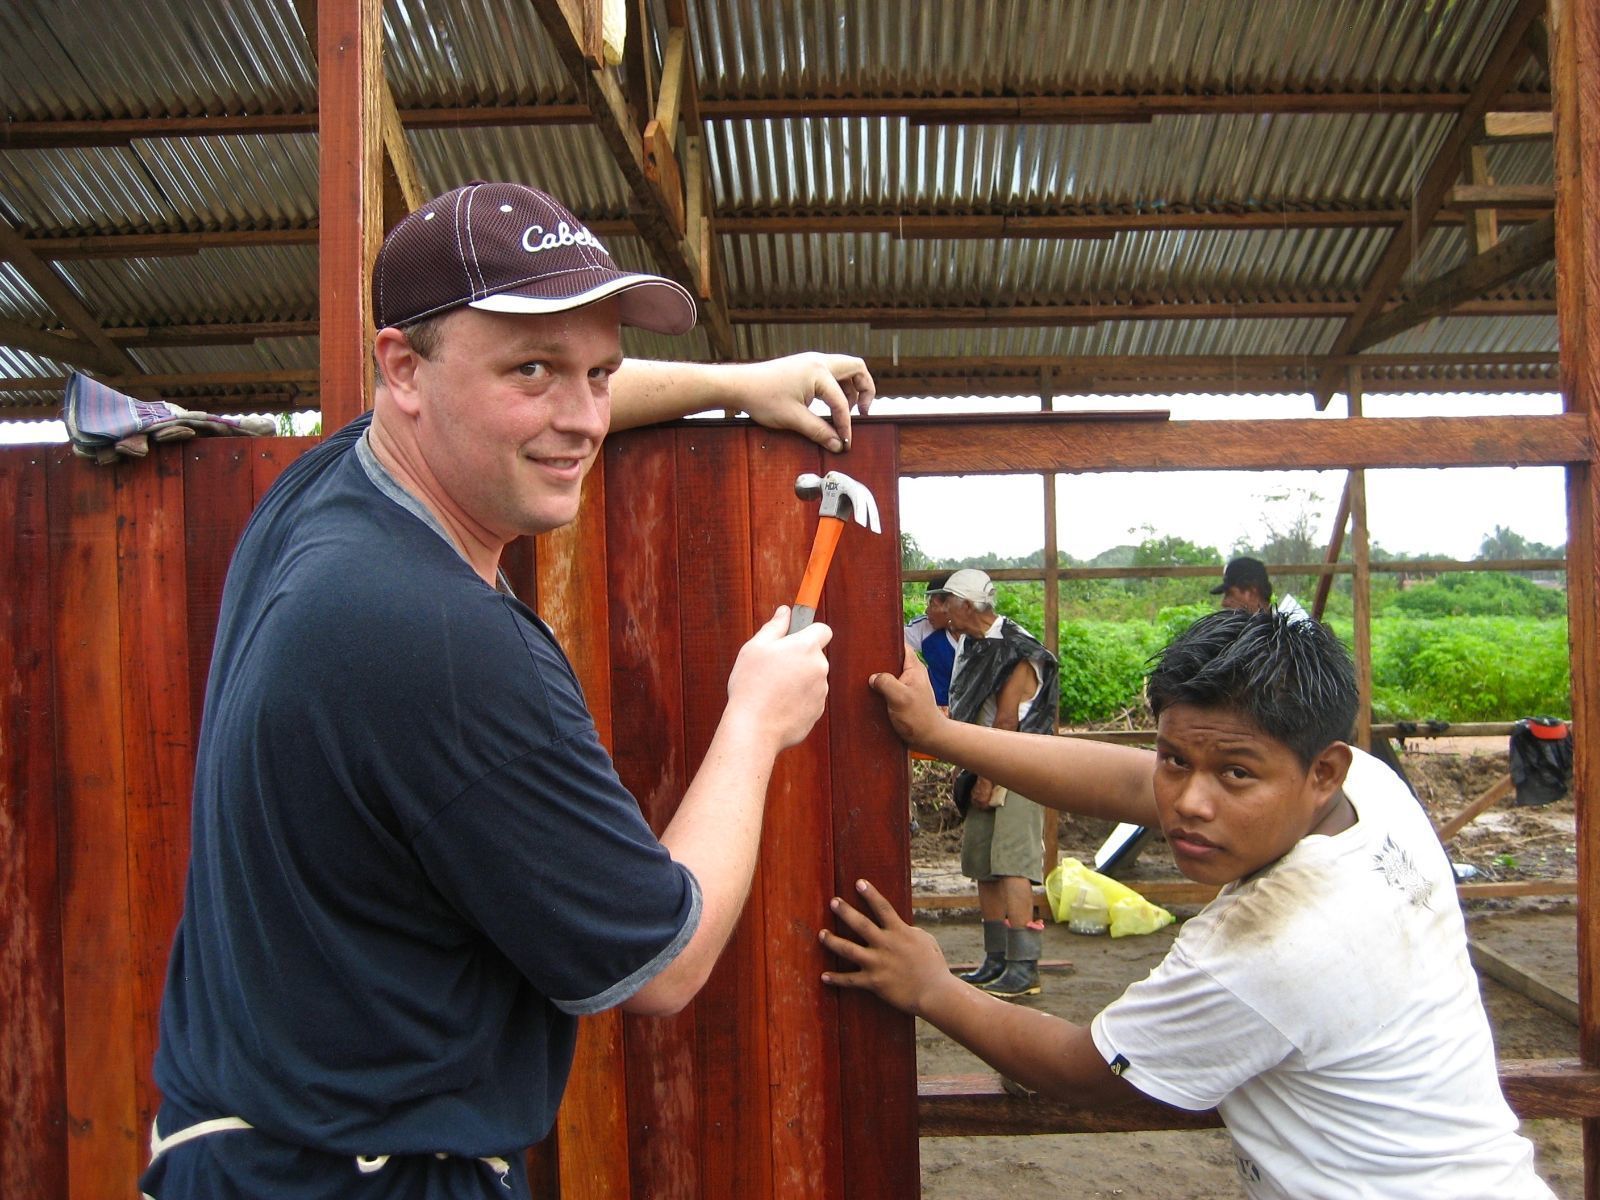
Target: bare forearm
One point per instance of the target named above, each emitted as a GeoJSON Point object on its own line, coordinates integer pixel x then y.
{"type": "Point", "coordinates": [1074, 775]}
{"type": "Point", "coordinates": [1045, 1053]}
{"type": "Point", "coordinates": [644, 391]}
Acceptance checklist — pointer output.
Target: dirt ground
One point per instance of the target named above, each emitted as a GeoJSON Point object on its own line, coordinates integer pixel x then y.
{"type": "Point", "coordinates": [1505, 843]}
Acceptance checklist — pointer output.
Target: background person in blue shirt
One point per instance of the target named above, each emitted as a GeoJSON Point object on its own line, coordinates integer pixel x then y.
{"type": "Point", "coordinates": [929, 635]}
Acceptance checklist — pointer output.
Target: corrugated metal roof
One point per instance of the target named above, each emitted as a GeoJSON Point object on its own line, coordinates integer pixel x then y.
{"type": "Point", "coordinates": [81, 60]}
{"type": "Point", "coordinates": [1089, 47]}
{"type": "Point", "coordinates": [889, 164]}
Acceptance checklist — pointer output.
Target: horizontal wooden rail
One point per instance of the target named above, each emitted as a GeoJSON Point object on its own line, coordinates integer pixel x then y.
{"type": "Point", "coordinates": [1397, 729]}
{"type": "Point", "coordinates": [1396, 567]}
{"type": "Point", "coordinates": [979, 1105]}
{"type": "Point", "coordinates": [1181, 891]}
{"type": "Point", "coordinates": [990, 446]}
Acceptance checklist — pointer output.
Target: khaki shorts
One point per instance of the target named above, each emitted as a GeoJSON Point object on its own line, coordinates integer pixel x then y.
{"type": "Point", "coordinates": [1008, 840]}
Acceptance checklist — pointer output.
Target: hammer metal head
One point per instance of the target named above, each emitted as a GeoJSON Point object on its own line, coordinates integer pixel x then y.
{"type": "Point", "coordinates": [843, 498]}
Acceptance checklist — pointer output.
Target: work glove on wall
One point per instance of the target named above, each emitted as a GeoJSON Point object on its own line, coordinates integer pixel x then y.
{"type": "Point", "coordinates": [105, 425]}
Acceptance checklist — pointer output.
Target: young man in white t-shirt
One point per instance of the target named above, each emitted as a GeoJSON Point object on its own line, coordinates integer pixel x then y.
{"type": "Point", "coordinates": [1323, 1003]}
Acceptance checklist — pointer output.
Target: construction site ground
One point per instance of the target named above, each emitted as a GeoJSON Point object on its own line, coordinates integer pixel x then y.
{"type": "Point", "coordinates": [1531, 941]}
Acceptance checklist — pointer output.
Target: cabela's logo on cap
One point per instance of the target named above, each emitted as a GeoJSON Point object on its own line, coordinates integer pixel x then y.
{"type": "Point", "coordinates": [536, 239]}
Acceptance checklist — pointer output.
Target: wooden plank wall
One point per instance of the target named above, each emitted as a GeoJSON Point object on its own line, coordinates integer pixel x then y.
{"type": "Point", "coordinates": [114, 578]}
{"type": "Point", "coordinates": [746, 1093]}
{"type": "Point", "coordinates": [113, 581]}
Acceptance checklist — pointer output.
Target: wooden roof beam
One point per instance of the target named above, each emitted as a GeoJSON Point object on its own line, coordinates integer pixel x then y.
{"type": "Point", "coordinates": [122, 131]}
{"type": "Point", "coordinates": [1504, 61]}
{"type": "Point", "coordinates": [1057, 109]}
{"type": "Point", "coordinates": [1178, 363]}
{"type": "Point", "coordinates": [1528, 247]}
{"type": "Point", "coordinates": [1067, 442]}
{"type": "Point", "coordinates": [1043, 109]}
{"type": "Point", "coordinates": [64, 302]}
{"type": "Point", "coordinates": [1518, 127]}
{"type": "Point", "coordinates": [73, 352]}
{"type": "Point", "coordinates": [159, 244]}
{"type": "Point", "coordinates": [1523, 197]}
{"type": "Point", "coordinates": [573, 27]}
{"type": "Point", "coordinates": [1035, 315]}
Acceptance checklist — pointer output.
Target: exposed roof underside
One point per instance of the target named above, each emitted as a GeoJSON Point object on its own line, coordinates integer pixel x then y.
{"type": "Point", "coordinates": [997, 196]}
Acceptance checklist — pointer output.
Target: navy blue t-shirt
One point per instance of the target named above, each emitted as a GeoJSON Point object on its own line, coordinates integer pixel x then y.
{"type": "Point", "coordinates": [412, 861]}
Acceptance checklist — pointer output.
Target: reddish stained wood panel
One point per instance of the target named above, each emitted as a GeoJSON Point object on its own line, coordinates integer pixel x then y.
{"type": "Point", "coordinates": [157, 739]}
{"type": "Point", "coordinates": [592, 1125]}
{"type": "Point", "coordinates": [871, 829]}
{"type": "Point", "coordinates": [796, 856]}
{"type": "Point", "coordinates": [33, 1158]}
{"type": "Point", "coordinates": [103, 1140]}
{"type": "Point", "coordinates": [647, 718]}
{"type": "Point", "coordinates": [217, 500]}
{"type": "Point", "coordinates": [269, 457]}
{"type": "Point", "coordinates": [713, 546]}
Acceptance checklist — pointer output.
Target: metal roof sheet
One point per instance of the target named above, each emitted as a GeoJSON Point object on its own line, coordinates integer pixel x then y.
{"type": "Point", "coordinates": [76, 59]}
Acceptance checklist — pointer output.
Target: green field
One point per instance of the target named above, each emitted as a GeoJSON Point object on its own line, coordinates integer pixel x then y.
{"type": "Point", "coordinates": [1479, 647]}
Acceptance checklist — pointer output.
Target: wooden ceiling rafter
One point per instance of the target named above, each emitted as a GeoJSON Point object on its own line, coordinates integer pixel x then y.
{"type": "Point", "coordinates": [158, 243]}
{"type": "Point", "coordinates": [573, 27]}
{"type": "Point", "coordinates": [1029, 316]}
{"type": "Point", "coordinates": [1063, 108]}
{"type": "Point", "coordinates": [102, 353]}
{"type": "Point", "coordinates": [1529, 247]}
{"type": "Point", "coordinates": [1505, 59]}
{"type": "Point", "coordinates": [1035, 109]}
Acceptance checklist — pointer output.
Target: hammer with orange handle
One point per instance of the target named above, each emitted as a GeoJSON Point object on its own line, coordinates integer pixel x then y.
{"type": "Point", "coordinates": [843, 499]}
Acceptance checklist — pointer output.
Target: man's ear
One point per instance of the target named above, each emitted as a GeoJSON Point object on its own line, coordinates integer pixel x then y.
{"type": "Point", "coordinates": [397, 362]}
{"type": "Point", "coordinates": [1328, 769]}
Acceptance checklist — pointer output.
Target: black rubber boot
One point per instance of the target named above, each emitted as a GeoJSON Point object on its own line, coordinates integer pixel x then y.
{"type": "Point", "coordinates": [1021, 974]}
{"type": "Point", "coordinates": [994, 954]}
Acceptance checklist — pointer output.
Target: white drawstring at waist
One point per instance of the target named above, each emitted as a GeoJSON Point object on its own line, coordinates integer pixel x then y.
{"type": "Point", "coordinates": [367, 1164]}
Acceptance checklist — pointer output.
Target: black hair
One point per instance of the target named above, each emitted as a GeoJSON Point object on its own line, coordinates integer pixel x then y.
{"type": "Point", "coordinates": [938, 581]}
{"type": "Point", "coordinates": [1290, 677]}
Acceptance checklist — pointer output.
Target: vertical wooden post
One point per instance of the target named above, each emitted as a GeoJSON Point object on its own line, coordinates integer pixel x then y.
{"type": "Point", "coordinates": [350, 199]}
{"type": "Point", "coordinates": [104, 1143]}
{"type": "Point", "coordinates": [1575, 95]}
{"type": "Point", "coordinates": [157, 733]}
{"type": "Point", "coordinates": [647, 687]}
{"type": "Point", "coordinates": [592, 1125]}
{"type": "Point", "coordinates": [1052, 606]}
{"type": "Point", "coordinates": [731, 1010]}
{"type": "Point", "coordinates": [797, 854]}
{"type": "Point", "coordinates": [1362, 583]}
{"type": "Point", "coordinates": [1341, 518]}
{"type": "Point", "coordinates": [33, 1100]}
{"type": "Point", "coordinates": [869, 768]}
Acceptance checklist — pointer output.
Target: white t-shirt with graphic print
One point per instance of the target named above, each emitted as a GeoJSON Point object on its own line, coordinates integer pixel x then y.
{"type": "Point", "coordinates": [1327, 1009]}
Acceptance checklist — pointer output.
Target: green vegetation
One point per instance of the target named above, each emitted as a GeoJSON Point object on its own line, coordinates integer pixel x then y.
{"type": "Point", "coordinates": [1478, 646]}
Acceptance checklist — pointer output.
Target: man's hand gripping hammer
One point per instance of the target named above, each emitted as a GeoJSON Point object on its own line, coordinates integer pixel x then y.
{"type": "Point", "coordinates": [843, 499]}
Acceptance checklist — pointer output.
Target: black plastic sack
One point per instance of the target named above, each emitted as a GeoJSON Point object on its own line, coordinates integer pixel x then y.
{"type": "Point", "coordinates": [1541, 760]}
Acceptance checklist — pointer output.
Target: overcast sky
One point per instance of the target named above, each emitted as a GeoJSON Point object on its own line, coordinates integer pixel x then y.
{"type": "Point", "coordinates": [1442, 512]}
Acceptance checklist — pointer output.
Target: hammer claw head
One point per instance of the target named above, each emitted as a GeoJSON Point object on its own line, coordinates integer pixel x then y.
{"type": "Point", "coordinates": [842, 498]}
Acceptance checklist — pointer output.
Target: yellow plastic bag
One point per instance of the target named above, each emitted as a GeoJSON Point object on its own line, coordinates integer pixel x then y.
{"type": "Point", "coordinates": [1130, 912]}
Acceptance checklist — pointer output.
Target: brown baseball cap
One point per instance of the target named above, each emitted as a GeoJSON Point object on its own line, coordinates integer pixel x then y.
{"type": "Point", "coordinates": [505, 247]}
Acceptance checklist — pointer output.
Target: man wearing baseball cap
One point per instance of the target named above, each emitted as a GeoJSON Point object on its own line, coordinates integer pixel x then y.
{"type": "Point", "coordinates": [1245, 585]}
{"type": "Point", "coordinates": [1003, 679]}
{"type": "Point", "coordinates": [413, 865]}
